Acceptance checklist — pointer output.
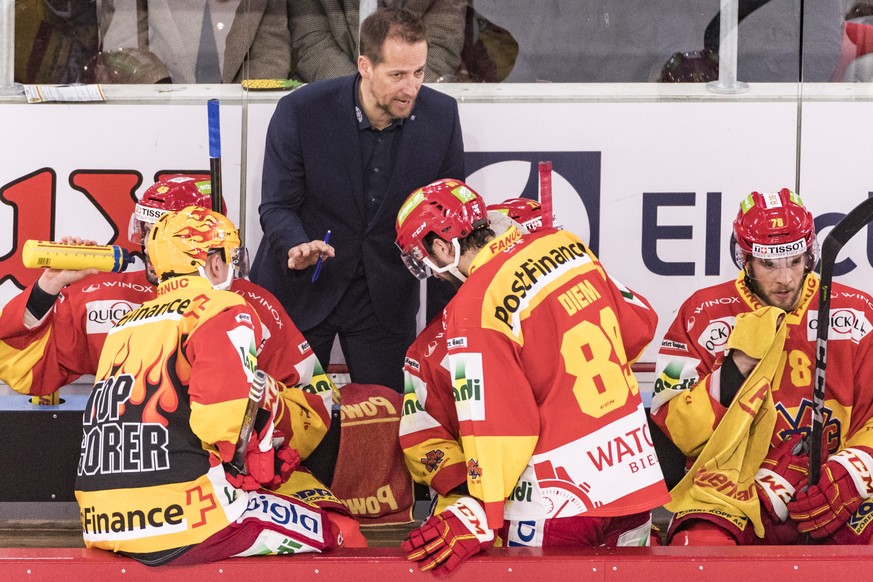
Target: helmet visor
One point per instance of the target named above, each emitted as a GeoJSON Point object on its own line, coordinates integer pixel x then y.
{"type": "Point", "coordinates": [239, 262]}
{"type": "Point", "coordinates": [141, 221]}
{"type": "Point", "coordinates": [415, 262]}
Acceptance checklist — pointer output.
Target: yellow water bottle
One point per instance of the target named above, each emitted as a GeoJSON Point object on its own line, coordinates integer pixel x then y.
{"type": "Point", "coordinates": [52, 399]}
{"type": "Point", "coordinates": [52, 255]}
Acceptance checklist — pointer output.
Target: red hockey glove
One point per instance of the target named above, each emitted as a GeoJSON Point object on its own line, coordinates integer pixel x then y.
{"type": "Point", "coordinates": [287, 461]}
{"type": "Point", "coordinates": [447, 539]}
{"type": "Point", "coordinates": [782, 473]}
{"type": "Point", "coordinates": [264, 465]}
{"type": "Point", "coordinates": [823, 508]}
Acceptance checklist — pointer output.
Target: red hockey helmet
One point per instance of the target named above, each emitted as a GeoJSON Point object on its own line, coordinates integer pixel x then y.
{"type": "Point", "coordinates": [525, 211]}
{"type": "Point", "coordinates": [773, 226]}
{"type": "Point", "coordinates": [170, 194]}
{"type": "Point", "coordinates": [448, 208]}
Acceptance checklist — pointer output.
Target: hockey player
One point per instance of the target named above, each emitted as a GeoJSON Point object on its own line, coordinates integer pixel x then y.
{"type": "Point", "coordinates": [540, 343]}
{"type": "Point", "coordinates": [735, 372]}
{"type": "Point", "coordinates": [525, 211]}
{"type": "Point", "coordinates": [162, 422]}
{"type": "Point", "coordinates": [429, 424]}
{"type": "Point", "coordinates": [53, 331]}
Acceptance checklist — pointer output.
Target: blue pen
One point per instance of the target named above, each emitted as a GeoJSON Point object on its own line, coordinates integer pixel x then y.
{"type": "Point", "coordinates": [320, 260]}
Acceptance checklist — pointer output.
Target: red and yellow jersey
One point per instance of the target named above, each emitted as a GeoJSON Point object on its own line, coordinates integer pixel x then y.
{"type": "Point", "coordinates": [41, 357]}
{"type": "Point", "coordinates": [540, 343]}
{"type": "Point", "coordinates": [692, 352]}
{"type": "Point", "coordinates": [429, 432]}
{"type": "Point", "coordinates": [286, 356]}
{"type": "Point", "coordinates": [169, 398]}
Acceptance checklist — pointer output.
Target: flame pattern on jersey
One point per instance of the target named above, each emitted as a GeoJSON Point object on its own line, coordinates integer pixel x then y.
{"type": "Point", "coordinates": [168, 402]}
{"type": "Point", "coordinates": [42, 357]}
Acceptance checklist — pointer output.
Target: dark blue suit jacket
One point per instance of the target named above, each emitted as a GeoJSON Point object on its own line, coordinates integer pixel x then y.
{"type": "Point", "coordinates": [313, 181]}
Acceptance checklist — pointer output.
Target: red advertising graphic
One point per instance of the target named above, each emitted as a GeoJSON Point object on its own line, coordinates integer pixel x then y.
{"type": "Point", "coordinates": [33, 199]}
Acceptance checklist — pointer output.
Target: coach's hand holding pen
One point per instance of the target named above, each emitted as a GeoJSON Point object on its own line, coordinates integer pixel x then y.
{"type": "Point", "coordinates": [320, 260]}
{"type": "Point", "coordinates": [314, 252]}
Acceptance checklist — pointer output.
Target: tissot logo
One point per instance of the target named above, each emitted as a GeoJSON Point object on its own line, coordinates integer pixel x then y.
{"type": "Point", "coordinates": [575, 185]}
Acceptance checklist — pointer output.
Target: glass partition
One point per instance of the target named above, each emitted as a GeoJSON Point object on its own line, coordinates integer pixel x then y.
{"type": "Point", "coordinates": [515, 41]}
{"type": "Point", "coordinates": [659, 116]}
{"type": "Point", "coordinates": [142, 42]}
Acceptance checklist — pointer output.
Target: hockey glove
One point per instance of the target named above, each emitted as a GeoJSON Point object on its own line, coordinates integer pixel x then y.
{"type": "Point", "coordinates": [782, 473]}
{"type": "Point", "coordinates": [263, 466]}
{"type": "Point", "coordinates": [287, 461]}
{"type": "Point", "coordinates": [447, 539]}
{"type": "Point", "coordinates": [823, 508]}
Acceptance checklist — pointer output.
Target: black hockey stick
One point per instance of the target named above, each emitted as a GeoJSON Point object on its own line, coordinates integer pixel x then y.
{"type": "Point", "coordinates": [848, 227]}
{"type": "Point", "coordinates": [256, 394]}
{"type": "Point", "coordinates": [214, 152]}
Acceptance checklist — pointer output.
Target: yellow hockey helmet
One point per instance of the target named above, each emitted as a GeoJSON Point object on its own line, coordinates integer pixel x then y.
{"type": "Point", "coordinates": [180, 242]}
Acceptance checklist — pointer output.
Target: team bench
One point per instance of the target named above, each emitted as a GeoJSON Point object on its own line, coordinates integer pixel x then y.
{"type": "Point", "coordinates": [41, 447]}
{"type": "Point", "coordinates": [773, 564]}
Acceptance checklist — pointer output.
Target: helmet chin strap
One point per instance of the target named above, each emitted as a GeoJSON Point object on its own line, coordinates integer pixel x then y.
{"type": "Point", "coordinates": [750, 281]}
{"type": "Point", "coordinates": [457, 273]}
{"type": "Point", "coordinates": [451, 267]}
{"type": "Point", "coordinates": [221, 285]}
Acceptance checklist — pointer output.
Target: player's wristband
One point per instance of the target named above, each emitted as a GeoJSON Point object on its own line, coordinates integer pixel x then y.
{"type": "Point", "coordinates": [730, 381]}
{"type": "Point", "coordinates": [39, 302]}
{"type": "Point", "coordinates": [472, 514]}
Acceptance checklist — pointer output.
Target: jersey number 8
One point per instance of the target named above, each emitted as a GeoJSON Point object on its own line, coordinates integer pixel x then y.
{"type": "Point", "coordinates": [595, 355]}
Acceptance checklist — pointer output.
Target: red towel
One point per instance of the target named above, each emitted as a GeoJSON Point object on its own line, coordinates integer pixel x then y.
{"type": "Point", "coordinates": [371, 477]}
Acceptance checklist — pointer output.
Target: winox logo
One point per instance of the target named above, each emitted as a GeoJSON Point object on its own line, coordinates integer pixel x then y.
{"type": "Point", "coordinates": [714, 337]}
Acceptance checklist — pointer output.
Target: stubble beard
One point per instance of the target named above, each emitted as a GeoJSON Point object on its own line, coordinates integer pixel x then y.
{"type": "Point", "coordinates": [389, 109]}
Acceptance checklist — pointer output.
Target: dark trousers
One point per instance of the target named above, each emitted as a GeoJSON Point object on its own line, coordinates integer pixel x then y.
{"type": "Point", "coordinates": [374, 355]}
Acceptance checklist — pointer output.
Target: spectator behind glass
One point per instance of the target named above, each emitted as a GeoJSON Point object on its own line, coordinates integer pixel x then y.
{"type": "Point", "coordinates": [55, 41]}
{"type": "Point", "coordinates": [196, 41]}
{"type": "Point", "coordinates": [324, 36]}
{"type": "Point", "coordinates": [616, 41]}
{"type": "Point", "coordinates": [856, 59]}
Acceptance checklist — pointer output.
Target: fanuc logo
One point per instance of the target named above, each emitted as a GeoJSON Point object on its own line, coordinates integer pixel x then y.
{"type": "Point", "coordinates": [575, 185]}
